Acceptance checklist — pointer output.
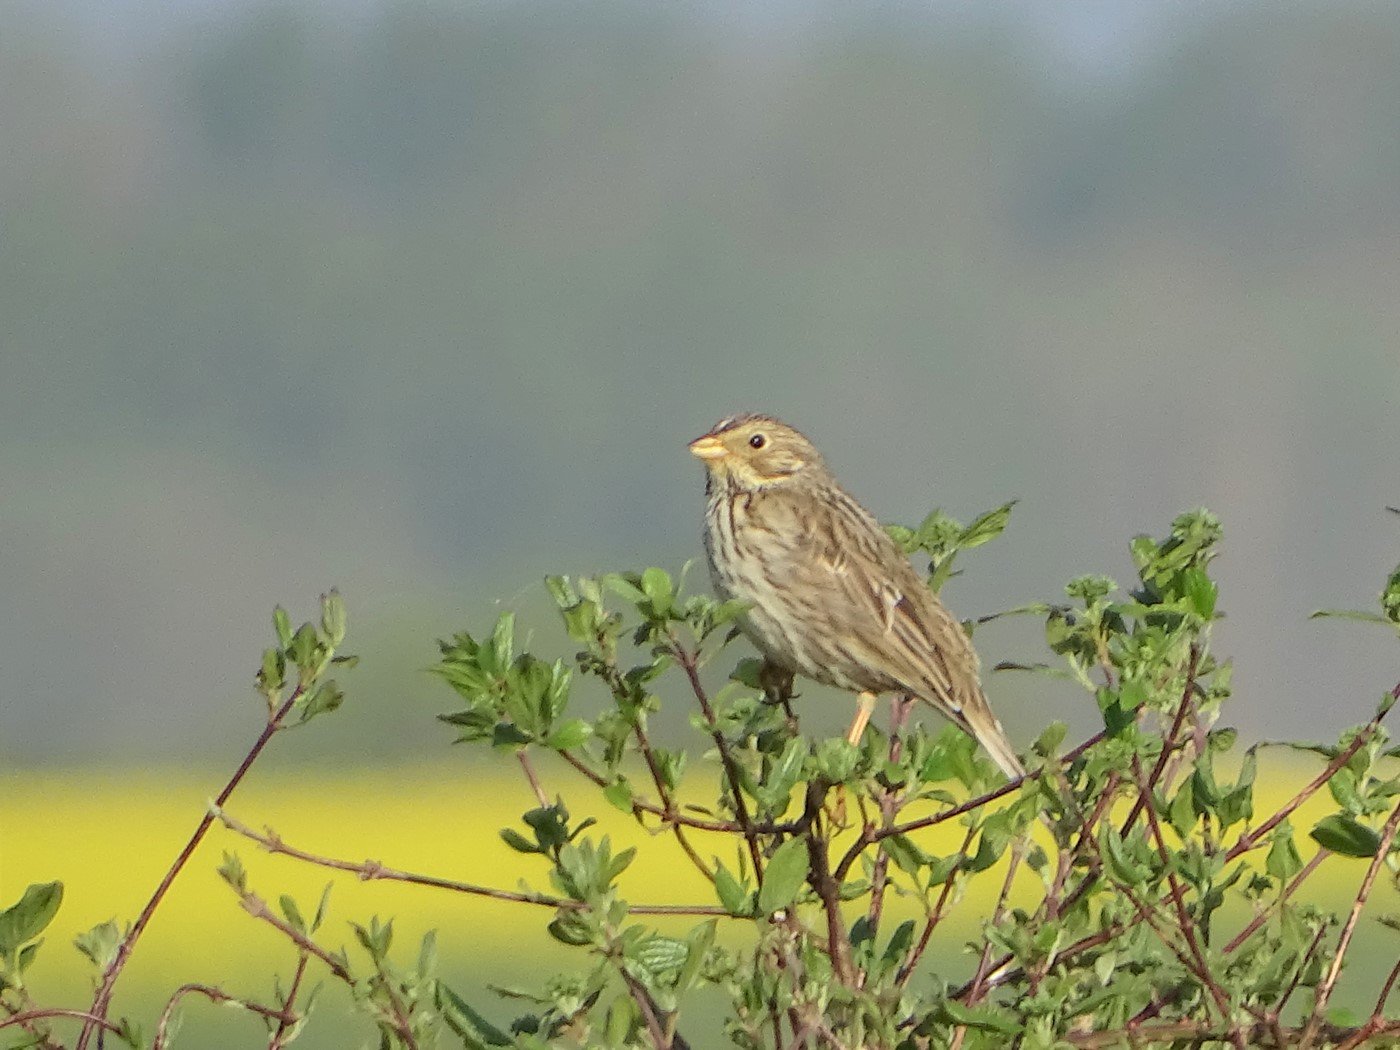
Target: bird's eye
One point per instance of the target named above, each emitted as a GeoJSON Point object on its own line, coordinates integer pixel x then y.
{"type": "Point", "coordinates": [757, 441]}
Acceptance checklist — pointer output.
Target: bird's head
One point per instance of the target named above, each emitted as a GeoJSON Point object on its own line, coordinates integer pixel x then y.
{"type": "Point", "coordinates": [756, 452]}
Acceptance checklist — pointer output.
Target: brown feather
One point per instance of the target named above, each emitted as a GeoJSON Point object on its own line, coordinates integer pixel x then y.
{"type": "Point", "coordinates": [831, 595]}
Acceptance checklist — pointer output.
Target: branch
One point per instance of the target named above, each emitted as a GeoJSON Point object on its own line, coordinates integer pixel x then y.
{"type": "Point", "coordinates": [981, 800]}
{"type": "Point", "coordinates": [641, 805]}
{"type": "Point", "coordinates": [23, 1019]}
{"type": "Point", "coordinates": [1288, 891]}
{"type": "Point", "coordinates": [103, 998]}
{"type": "Point", "coordinates": [889, 805]}
{"type": "Point", "coordinates": [906, 968]}
{"type": "Point", "coordinates": [984, 963]}
{"type": "Point", "coordinates": [1178, 896]}
{"type": "Point", "coordinates": [529, 769]}
{"type": "Point", "coordinates": [400, 1012]}
{"type": "Point", "coordinates": [731, 770]}
{"type": "Point", "coordinates": [1202, 1032]}
{"type": "Point", "coordinates": [668, 802]}
{"type": "Point", "coordinates": [258, 909]}
{"type": "Point", "coordinates": [827, 886]}
{"type": "Point", "coordinates": [371, 870]}
{"type": "Point", "coordinates": [1324, 991]}
{"type": "Point", "coordinates": [647, 1006]}
{"type": "Point", "coordinates": [214, 995]}
{"type": "Point", "coordinates": [284, 1027]}
{"type": "Point", "coordinates": [1169, 741]}
{"type": "Point", "coordinates": [1250, 839]}
{"type": "Point", "coordinates": [1301, 968]}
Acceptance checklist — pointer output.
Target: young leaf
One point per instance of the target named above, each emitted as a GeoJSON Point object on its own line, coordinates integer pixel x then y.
{"type": "Point", "coordinates": [27, 918]}
{"type": "Point", "coordinates": [1347, 836]}
{"type": "Point", "coordinates": [732, 895]}
{"type": "Point", "coordinates": [782, 880]}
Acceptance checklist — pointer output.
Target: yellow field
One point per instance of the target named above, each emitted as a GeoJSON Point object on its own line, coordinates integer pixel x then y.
{"type": "Point", "coordinates": [110, 835]}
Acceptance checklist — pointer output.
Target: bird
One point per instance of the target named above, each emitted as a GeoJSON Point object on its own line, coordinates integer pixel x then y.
{"type": "Point", "coordinates": [829, 593]}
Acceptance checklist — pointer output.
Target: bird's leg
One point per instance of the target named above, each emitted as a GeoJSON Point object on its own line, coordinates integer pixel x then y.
{"type": "Point", "coordinates": [865, 704]}
{"type": "Point", "coordinates": [776, 683]}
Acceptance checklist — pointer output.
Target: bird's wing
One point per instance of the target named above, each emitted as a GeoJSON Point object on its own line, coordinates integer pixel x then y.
{"type": "Point", "coordinates": [879, 619]}
{"type": "Point", "coordinates": [886, 609]}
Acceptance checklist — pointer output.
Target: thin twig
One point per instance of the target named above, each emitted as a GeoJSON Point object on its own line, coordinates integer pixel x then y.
{"type": "Point", "coordinates": [642, 805]}
{"type": "Point", "coordinates": [1169, 741]}
{"type": "Point", "coordinates": [646, 1005]}
{"type": "Point", "coordinates": [1287, 891]}
{"type": "Point", "coordinates": [533, 778]}
{"type": "Point", "coordinates": [1173, 1032]}
{"type": "Point", "coordinates": [981, 800]}
{"type": "Point", "coordinates": [1018, 851]}
{"type": "Point", "coordinates": [1386, 989]}
{"type": "Point", "coordinates": [278, 1039]}
{"type": "Point", "coordinates": [103, 997]}
{"type": "Point", "coordinates": [668, 802]}
{"type": "Point", "coordinates": [1324, 990]}
{"type": "Point", "coordinates": [916, 952]}
{"type": "Point", "coordinates": [828, 886]}
{"type": "Point", "coordinates": [24, 1018]}
{"type": "Point", "coordinates": [258, 909]}
{"type": "Point", "coordinates": [889, 806]}
{"type": "Point", "coordinates": [371, 870]}
{"type": "Point", "coordinates": [1250, 839]}
{"type": "Point", "coordinates": [731, 769]}
{"type": "Point", "coordinates": [1178, 896]}
{"type": "Point", "coordinates": [400, 1012]}
{"type": "Point", "coordinates": [214, 995]}
{"type": "Point", "coordinates": [1301, 968]}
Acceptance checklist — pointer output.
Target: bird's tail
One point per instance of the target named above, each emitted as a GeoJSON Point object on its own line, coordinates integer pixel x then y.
{"type": "Point", "coordinates": [977, 719]}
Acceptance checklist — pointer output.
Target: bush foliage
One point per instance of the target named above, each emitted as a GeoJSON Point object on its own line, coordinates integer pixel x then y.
{"type": "Point", "coordinates": [1132, 895]}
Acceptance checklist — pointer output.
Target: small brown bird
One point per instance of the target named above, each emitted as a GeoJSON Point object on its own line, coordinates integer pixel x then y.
{"type": "Point", "coordinates": [830, 594]}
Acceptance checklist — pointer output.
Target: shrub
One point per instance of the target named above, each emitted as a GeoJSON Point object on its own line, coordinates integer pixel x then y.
{"type": "Point", "coordinates": [1131, 894]}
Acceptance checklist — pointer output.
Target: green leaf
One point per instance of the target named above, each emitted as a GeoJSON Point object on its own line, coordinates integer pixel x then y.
{"type": "Point", "coordinates": [569, 734]}
{"type": "Point", "coordinates": [572, 928]}
{"type": "Point", "coordinates": [233, 873]}
{"type": "Point", "coordinates": [100, 943]}
{"type": "Point", "coordinates": [293, 913]}
{"type": "Point", "coordinates": [1091, 588]}
{"type": "Point", "coordinates": [984, 1016]}
{"type": "Point", "coordinates": [333, 617]}
{"type": "Point", "coordinates": [1201, 592]}
{"type": "Point", "coordinates": [28, 917]}
{"type": "Point", "coordinates": [656, 585]}
{"type": "Point", "coordinates": [321, 906]}
{"type": "Point", "coordinates": [518, 842]}
{"type": "Point", "coordinates": [660, 955]}
{"type": "Point", "coordinates": [501, 644]}
{"type": "Point", "coordinates": [427, 954]}
{"type": "Point", "coordinates": [1348, 614]}
{"type": "Point", "coordinates": [282, 625]}
{"type": "Point", "coordinates": [782, 880]}
{"type": "Point", "coordinates": [1347, 836]}
{"type": "Point", "coordinates": [475, 1031]}
{"type": "Point", "coordinates": [1283, 861]}
{"type": "Point", "coordinates": [324, 698]}
{"type": "Point", "coordinates": [986, 527]}
{"type": "Point", "coordinates": [731, 893]}
{"type": "Point", "coordinates": [619, 794]}
{"type": "Point", "coordinates": [1048, 743]}
{"type": "Point", "coordinates": [907, 856]}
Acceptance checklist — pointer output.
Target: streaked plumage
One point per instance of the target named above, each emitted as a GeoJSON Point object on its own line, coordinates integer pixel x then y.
{"type": "Point", "coordinates": [831, 595]}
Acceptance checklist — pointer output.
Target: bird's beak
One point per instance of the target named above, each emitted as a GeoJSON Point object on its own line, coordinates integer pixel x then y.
{"type": "Point", "coordinates": [708, 448]}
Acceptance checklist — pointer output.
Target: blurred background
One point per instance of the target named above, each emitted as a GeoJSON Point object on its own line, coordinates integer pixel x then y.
{"type": "Point", "coordinates": [423, 300]}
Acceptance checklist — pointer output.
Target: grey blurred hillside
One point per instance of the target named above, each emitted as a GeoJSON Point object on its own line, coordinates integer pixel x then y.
{"type": "Point", "coordinates": [425, 300]}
